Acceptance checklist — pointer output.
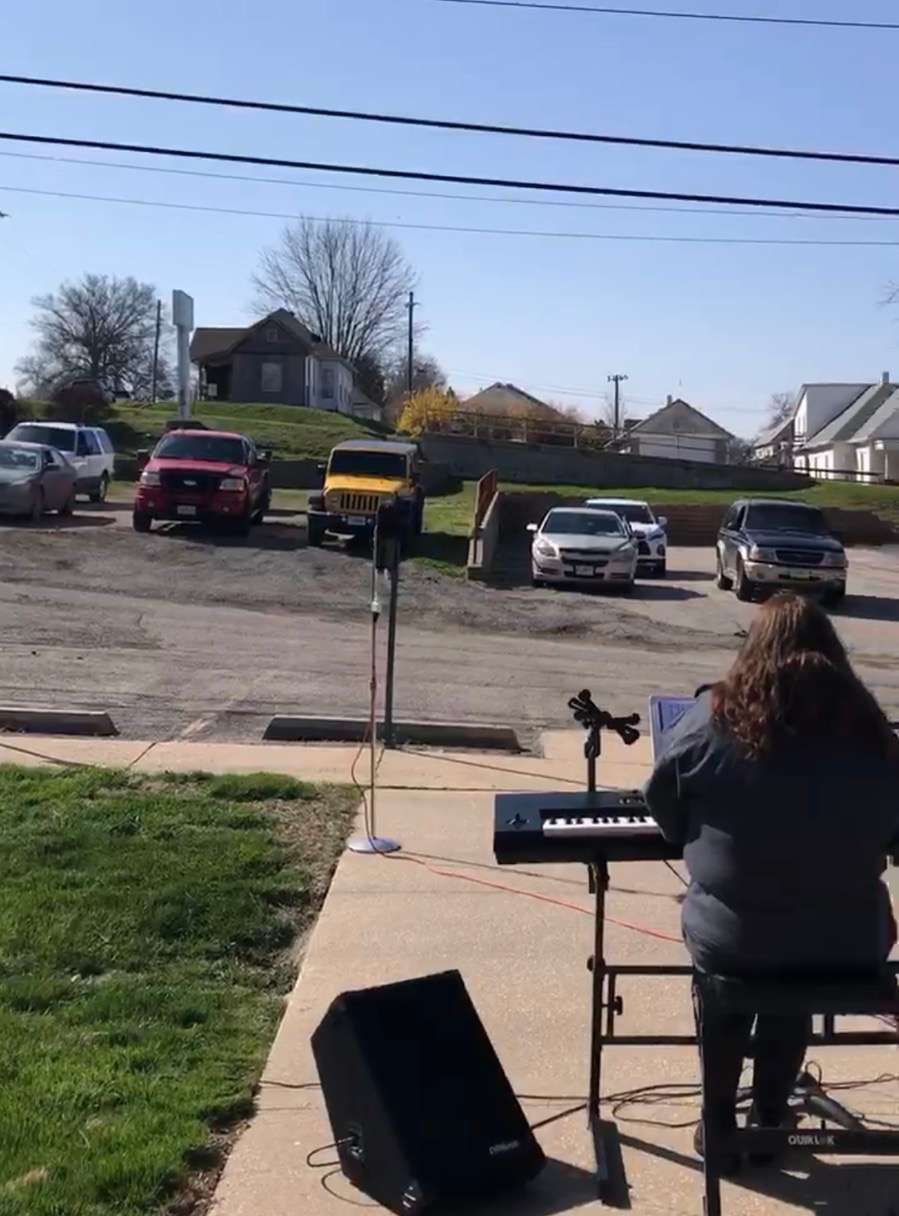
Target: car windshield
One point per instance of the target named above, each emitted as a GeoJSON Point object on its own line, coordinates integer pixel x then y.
{"type": "Point", "coordinates": [776, 517]}
{"type": "Point", "coordinates": [634, 513]}
{"type": "Point", "coordinates": [576, 523]}
{"type": "Point", "coordinates": [17, 458]}
{"type": "Point", "coordinates": [360, 463]}
{"type": "Point", "coordinates": [223, 449]}
{"type": "Point", "coordinates": [54, 436]}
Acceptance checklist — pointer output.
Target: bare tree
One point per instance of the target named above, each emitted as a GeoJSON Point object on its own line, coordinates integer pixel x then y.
{"type": "Point", "coordinates": [780, 407]}
{"type": "Point", "coordinates": [608, 411]}
{"type": "Point", "coordinates": [345, 281]}
{"type": "Point", "coordinates": [100, 328]}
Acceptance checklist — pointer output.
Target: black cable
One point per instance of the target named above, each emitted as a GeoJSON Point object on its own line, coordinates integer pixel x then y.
{"type": "Point", "coordinates": [677, 874]}
{"type": "Point", "coordinates": [442, 124]}
{"type": "Point", "coordinates": [302, 184]}
{"type": "Point", "coordinates": [408, 225]}
{"type": "Point", "coordinates": [461, 179]}
{"type": "Point", "coordinates": [819, 22]}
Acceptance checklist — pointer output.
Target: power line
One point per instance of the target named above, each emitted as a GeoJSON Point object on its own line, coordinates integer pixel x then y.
{"type": "Point", "coordinates": [438, 194]}
{"type": "Point", "coordinates": [408, 224]}
{"type": "Point", "coordinates": [452, 125]}
{"type": "Point", "coordinates": [461, 179]}
{"type": "Point", "coordinates": [682, 16]}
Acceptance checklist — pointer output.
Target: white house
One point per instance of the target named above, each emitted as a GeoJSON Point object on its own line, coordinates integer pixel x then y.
{"type": "Point", "coordinates": [775, 444]}
{"type": "Point", "coordinates": [848, 430]}
{"type": "Point", "coordinates": [678, 431]}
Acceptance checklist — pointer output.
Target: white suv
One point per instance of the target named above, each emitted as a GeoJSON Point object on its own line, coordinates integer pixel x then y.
{"type": "Point", "coordinates": [652, 539]}
{"type": "Point", "coordinates": [89, 449]}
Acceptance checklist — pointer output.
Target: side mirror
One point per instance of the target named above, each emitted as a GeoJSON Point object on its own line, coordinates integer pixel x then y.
{"type": "Point", "coordinates": [265, 456]}
{"type": "Point", "coordinates": [143, 458]}
{"type": "Point", "coordinates": [662, 521]}
{"type": "Point", "coordinates": [532, 527]}
{"type": "Point", "coordinates": [322, 467]}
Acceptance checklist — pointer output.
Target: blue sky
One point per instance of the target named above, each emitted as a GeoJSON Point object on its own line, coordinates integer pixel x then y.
{"type": "Point", "coordinates": [724, 326]}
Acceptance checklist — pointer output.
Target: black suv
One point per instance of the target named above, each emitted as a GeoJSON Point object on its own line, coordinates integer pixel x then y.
{"type": "Point", "coordinates": [764, 544]}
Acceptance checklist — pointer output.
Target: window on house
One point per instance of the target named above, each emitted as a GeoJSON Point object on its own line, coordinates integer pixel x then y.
{"type": "Point", "coordinates": [272, 334]}
{"type": "Point", "coordinates": [328, 383]}
{"type": "Point", "coordinates": [272, 377]}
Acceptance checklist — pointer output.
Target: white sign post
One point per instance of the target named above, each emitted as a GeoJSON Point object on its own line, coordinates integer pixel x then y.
{"type": "Point", "coordinates": [183, 320]}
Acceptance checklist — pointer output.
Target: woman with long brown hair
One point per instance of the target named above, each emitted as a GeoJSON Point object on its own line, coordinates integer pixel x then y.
{"type": "Point", "coordinates": [782, 784]}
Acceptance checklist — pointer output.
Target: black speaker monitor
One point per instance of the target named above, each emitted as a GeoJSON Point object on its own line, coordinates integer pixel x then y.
{"type": "Point", "coordinates": [419, 1105]}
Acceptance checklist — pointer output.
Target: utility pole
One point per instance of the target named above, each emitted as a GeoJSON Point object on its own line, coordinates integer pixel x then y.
{"type": "Point", "coordinates": [616, 380]}
{"type": "Point", "coordinates": [156, 351]}
{"type": "Point", "coordinates": [410, 369]}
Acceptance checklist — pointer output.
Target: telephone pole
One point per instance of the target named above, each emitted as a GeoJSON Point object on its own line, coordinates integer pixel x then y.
{"type": "Point", "coordinates": [410, 370]}
{"type": "Point", "coordinates": [156, 352]}
{"type": "Point", "coordinates": [616, 380]}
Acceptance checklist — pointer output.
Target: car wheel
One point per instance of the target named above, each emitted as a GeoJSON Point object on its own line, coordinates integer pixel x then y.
{"type": "Point", "coordinates": [141, 521]}
{"type": "Point", "coordinates": [537, 582]}
{"type": "Point", "coordinates": [834, 597]}
{"type": "Point", "coordinates": [661, 570]}
{"type": "Point", "coordinates": [420, 517]}
{"type": "Point", "coordinates": [628, 588]}
{"type": "Point", "coordinates": [99, 495]}
{"type": "Point", "coordinates": [69, 505]}
{"type": "Point", "coordinates": [262, 510]}
{"type": "Point", "coordinates": [315, 533]}
{"type": "Point", "coordinates": [37, 507]}
{"type": "Point", "coordinates": [242, 526]}
{"type": "Point", "coordinates": [722, 582]}
{"type": "Point", "coordinates": [744, 588]}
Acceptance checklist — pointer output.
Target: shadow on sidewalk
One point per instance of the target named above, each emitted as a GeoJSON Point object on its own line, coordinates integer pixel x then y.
{"type": "Point", "coordinates": [838, 1187]}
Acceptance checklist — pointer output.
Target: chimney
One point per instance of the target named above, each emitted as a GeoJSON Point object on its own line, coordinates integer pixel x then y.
{"type": "Point", "coordinates": [886, 377]}
{"type": "Point", "coordinates": [670, 400]}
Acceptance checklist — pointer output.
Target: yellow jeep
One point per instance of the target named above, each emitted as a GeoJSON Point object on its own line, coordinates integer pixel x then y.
{"type": "Point", "coordinates": [361, 475]}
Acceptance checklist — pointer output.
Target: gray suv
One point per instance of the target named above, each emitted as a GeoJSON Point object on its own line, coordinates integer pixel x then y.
{"type": "Point", "coordinates": [765, 544]}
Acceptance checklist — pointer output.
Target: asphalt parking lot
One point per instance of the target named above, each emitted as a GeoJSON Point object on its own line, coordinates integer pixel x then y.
{"type": "Point", "coordinates": [186, 634]}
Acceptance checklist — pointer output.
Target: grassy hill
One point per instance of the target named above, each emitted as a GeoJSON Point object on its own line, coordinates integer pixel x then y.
{"type": "Point", "coordinates": [290, 431]}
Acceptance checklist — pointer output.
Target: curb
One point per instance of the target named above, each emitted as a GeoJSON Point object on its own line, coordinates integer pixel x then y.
{"type": "Point", "coordinates": [297, 728]}
{"type": "Point", "coordinates": [56, 721]}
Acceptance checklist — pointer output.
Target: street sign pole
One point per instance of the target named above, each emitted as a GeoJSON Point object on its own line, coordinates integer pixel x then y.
{"type": "Point", "coordinates": [183, 320]}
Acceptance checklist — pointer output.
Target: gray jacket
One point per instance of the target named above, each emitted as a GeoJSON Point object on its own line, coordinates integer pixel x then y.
{"type": "Point", "coordinates": [785, 855]}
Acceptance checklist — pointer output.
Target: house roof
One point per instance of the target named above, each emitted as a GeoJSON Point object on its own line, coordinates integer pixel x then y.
{"type": "Point", "coordinates": [212, 342]}
{"type": "Point", "coordinates": [851, 423]}
{"type": "Point", "coordinates": [882, 414]}
{"type": "Point", "coordinates": [706, 425]}
{"type": "Point", "coordinates": [772, 433]}
{"type": "Point", "coordinates": [508, 401]}
{"type": "Point", "coordinates": [208, 341]}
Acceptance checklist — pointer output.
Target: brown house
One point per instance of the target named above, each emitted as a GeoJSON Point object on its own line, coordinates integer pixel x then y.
{"type": "Point", "coordinates": [276, 360]}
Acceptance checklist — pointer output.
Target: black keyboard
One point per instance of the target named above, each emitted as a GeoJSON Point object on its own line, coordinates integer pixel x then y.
{"type": "Point", "coordinates": [609, 825]}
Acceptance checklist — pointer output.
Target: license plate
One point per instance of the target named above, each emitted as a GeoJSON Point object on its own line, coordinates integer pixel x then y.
{"type": "Point", "coordinates": [357, 521]}
{"type": "Point", "coordinates": [186, 510]}
{"type": "Point", "coordinates": [584, 571]}
{"type": "Point", "coordinates": [801, 576]}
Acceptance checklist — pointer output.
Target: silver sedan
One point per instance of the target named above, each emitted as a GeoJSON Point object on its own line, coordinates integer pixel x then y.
{"type": "Point", "coordinates": [35, 478]}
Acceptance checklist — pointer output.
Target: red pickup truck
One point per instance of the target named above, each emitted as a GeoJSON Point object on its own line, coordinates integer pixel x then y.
{"type": "Point", "coordinates": [214, 477]}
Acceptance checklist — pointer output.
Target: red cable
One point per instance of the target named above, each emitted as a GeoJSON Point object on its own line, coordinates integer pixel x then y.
{"type": "Point", "coordinates": [546, 899]}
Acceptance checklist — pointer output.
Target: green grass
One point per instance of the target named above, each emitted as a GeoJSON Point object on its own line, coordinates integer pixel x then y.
{"type": "Point", "coordinates": [883, 500]}
{"type": "Point", "coordinates": [289, 431]}
{"type": "Point", "coordinates": [443, 546]}
{"type": "Point", "coordinates": [144, 928]}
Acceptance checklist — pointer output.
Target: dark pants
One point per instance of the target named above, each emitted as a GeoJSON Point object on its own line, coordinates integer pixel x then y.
{"type": "Point", "coordinates": [781, 1043]}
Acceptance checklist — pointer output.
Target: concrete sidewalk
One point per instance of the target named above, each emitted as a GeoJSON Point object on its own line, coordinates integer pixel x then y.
{"type": "Point", "coordinates": [523, 960]}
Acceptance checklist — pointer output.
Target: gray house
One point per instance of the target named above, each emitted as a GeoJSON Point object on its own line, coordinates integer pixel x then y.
{"type": "Point", "coordinates": [277, 360]}
{"type": "Point", "coordinates": [677, 431]}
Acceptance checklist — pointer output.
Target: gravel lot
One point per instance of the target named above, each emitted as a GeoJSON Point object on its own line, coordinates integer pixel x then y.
{"type": "Point", "coordinates": [181, 632]}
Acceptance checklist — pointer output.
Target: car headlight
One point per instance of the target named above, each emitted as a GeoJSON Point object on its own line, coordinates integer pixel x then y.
{"type": "Point", "coordinates": [150, 478]}
{"type": "Point", "coordinates": [837, 560]}
{"type": "Point", "coordinates": [232, 484]}
{"type": "Point", "coordinates": [624, 553]}
{"type": "Point", "coordinates": [545, 549]}
{"type": "Point", "coordinates": [758, 554]}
